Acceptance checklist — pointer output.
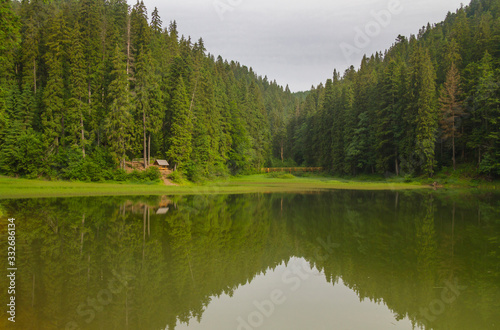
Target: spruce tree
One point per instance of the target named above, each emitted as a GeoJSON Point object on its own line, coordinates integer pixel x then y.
{"type": "Point", "coordinates": [77, 105]}
{"type": "Point", "coordinates": [451, 108]}
{"type": "Point", "coordinates": [423, 103]}
{"type": "Point", "coordinates": [119, 119]}
{"type": "Point", "coordinates": [54, 114]}
{"type": "Point", "coordinates": [180, 138]}
{"type": "Point", "coordinates": [9, 39]}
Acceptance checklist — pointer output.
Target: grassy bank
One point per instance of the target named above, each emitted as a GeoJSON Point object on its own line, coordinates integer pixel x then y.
{"type": "Point", "coordinates": [23, 188]}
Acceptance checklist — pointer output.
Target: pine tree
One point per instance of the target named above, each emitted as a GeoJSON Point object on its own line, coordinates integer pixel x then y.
{"type": "Point", "coordinates": [92, 28]}
{"type": "Point", "coordinates": [180, 138]}
{"type": "Point", "coordinates": [77, 106]}
{"type": "Point", "coordinates": [53, 115]}
{"type": "Point", "coordinates": [119, 118]}
{"type": "Point", "coordinates": [156, 23]}
{"type": "Point", "coordinates": [9, 39]}
{"type": "Point", "coordinates": [451, 108]}
{"type": "Point", "coordinates": [141, 99]}
{"type": "Point", "coordinates": [29, 55]}
{"type": "Point", "coordinates": [485, 112]}
{"type": "Point", "coordinates": [388, 123]}
{"type": "Point", "coordinates": [338, 121]}
{"type": "Point", "coordinates": [423, 105]}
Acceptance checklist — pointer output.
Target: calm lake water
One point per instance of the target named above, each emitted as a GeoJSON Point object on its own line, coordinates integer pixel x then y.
{"type": "Point", "coordinates": [329, 260]}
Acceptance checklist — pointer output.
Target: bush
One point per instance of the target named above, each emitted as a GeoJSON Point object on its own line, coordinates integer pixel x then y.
{"type": "Point", "coordinates": [22, 153]}
{"type": "Point", "coordinates": [152, 174]}
{"type": "Point", "coordinates": [176, 177]}
{"type": "Point", "coordinates": [280, 175]}
{"type": "Point", "coordinates": [408, 178]}
{"type": "Point", "coordinates": [119, 175]}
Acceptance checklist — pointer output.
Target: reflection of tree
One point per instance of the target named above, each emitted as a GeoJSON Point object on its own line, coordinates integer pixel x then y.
{"type": "Point", "coordinates": [397, 253]}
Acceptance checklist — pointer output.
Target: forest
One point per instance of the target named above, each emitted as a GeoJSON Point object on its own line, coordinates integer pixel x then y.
{"type": "Point", "coordinates": [429, 103]}
{"type": "Point", "coordinates": [89, 85]}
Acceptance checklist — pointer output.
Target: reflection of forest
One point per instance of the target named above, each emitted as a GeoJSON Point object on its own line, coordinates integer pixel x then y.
{"type": "Point", "coordinates": [399, 248]}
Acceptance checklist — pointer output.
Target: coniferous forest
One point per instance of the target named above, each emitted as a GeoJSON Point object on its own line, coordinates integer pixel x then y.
{"type": "Point", "coordinates": [88, 85]}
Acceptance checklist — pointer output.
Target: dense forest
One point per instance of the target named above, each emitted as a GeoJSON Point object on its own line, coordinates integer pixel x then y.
{"type": "Point", "coordinates": [431, 101]}
{"type": "Point", "coordinates": [87, 85]}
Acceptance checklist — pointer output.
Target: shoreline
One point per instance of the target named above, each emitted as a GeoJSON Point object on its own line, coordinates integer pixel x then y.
{"type": "Point", "coordinates": [14, 188]}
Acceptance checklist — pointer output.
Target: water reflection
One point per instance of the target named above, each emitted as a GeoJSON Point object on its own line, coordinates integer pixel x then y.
{"type": "Point", "coordinates": [420, 260]}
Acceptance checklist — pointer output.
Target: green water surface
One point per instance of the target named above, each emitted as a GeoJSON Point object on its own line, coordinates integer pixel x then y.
{"type": "Point", "coordinates": [328, 260]}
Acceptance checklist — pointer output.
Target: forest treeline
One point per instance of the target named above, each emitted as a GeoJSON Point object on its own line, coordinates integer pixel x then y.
{"type": "Point", "coordinates": [87, 85]}
{"type": "Point", "coordinates": [431, 101]}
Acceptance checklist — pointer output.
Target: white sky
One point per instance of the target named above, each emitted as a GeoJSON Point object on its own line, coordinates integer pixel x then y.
{"type": "Point", "coordinates": [298, 42]}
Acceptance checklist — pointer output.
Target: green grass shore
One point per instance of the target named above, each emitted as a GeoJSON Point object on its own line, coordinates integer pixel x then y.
{"type": "Point", "coordinates": [261, 183]}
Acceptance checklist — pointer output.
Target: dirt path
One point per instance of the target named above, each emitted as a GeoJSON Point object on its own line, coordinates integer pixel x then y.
{"type": "Point", "coordinates": [131, 166]}
{"type": "Point", "coordinates": [167, 182]}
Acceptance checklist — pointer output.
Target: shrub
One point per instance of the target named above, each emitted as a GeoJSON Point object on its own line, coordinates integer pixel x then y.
{"type": "Point", "coordinates": [176, 177]}
{"type": "Point", "coordinates": [280, 175]}
{"type": "Point", "coordinates": [120, 175]}
{"type": "Point", "coordinates": [152, 174]}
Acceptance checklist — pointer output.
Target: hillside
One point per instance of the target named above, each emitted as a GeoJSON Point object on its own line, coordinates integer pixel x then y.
{"type": "Point", "coordinates": [429, 103]}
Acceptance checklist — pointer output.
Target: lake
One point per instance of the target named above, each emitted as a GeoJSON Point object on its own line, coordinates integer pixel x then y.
{"type": "Point", "coordinates": [323, 260]}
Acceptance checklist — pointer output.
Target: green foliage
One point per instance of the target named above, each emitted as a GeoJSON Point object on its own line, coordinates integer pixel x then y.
{"type": "Point", "coordinates": [383, 118]}
{"type": "Point", "coordinates": [94, 75]}
{"type": "Point", "coordinates": [280, 175]}
{"type": "Point", "coordinates": [22, 153]}
{"type": "Point", "coordinates": [180, 137]}
{"type": "Point", "coordinates": [177, 177]}
{"type": "Point", "coordinates": [274, 162]}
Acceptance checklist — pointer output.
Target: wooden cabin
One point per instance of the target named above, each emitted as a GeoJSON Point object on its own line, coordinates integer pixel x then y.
{"type": "Point", "coordinates": [163, 164]}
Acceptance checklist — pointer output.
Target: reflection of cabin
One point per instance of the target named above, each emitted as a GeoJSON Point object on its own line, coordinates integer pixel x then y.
{"type": "Point", "coordinates": [162, 210]}
{"type": "Point", "coordinates": [163, 164]}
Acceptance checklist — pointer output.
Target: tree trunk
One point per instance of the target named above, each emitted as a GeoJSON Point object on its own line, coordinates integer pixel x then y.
{"type": "Point", "coordinates": [149, 149]}
{"type": "Point", "coordinates": [62, 131]}
{"type": "Point", "coordinates": [281, 145]}
{"type": "Point", "coordinates": [128, 45]}
{"type": "Point", "coordinates": [34, 76]}
{"type": "Point", "coordinates": [453, 144]}
{"type": "Point", "coordinates": [397, 164]}
{"type": "Point", "coordinates": [144, 140]}
{"type": "Point", "coordinates": [192, 98]}
{"type": "Point", "coordinates": [82, 136]}
{"type": "Point", "coordinates": [453, 147]}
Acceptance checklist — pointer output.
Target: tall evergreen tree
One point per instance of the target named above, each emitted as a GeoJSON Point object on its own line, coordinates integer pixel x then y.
{"type": "Point", "coordinates": [423, 108]}
{"type": "Point", "coordinates": [77, 106]}
{"type": "Point", "coordinates": [451, 108]}
{"type": "Point", "coordinates": [54, 113]}
{"type": "Point", "coordinates": [180, 139]}
{"type": "Point", "coordinates": [118, 125]}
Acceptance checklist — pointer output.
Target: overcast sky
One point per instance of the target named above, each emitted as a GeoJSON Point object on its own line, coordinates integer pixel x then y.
{"type": "Point", "coordinates": [298, 42]}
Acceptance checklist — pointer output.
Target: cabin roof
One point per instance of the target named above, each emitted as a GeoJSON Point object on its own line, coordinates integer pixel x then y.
{"type": "Point", "coordinates": [161, 162]}
{"type": "Point", "coordinates": [162, 210]}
